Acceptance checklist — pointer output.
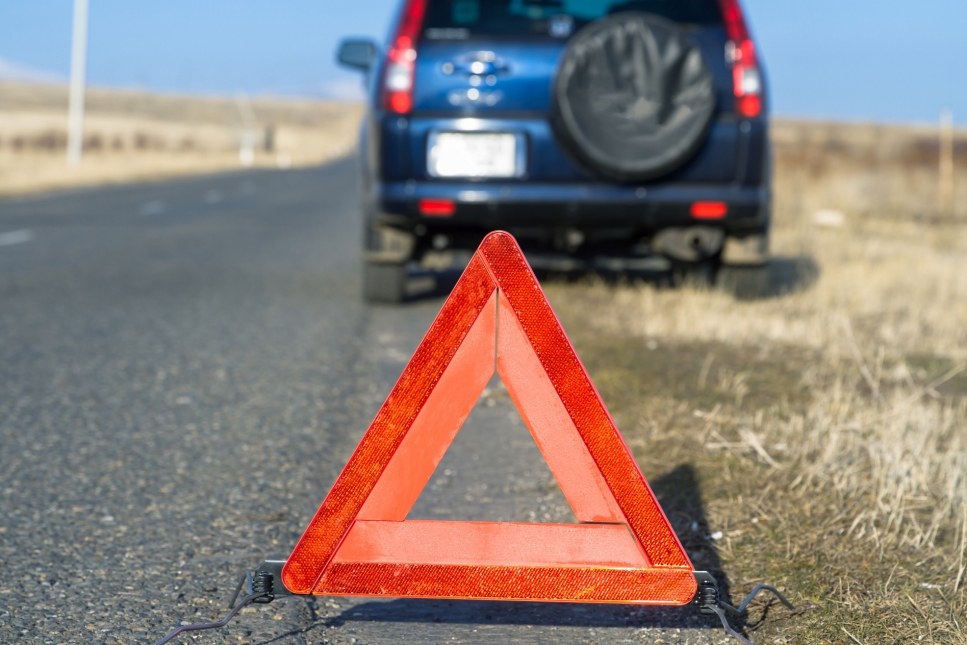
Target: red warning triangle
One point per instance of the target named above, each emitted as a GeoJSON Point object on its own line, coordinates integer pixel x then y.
{"type": "Point", "coordinates": [359, 543]}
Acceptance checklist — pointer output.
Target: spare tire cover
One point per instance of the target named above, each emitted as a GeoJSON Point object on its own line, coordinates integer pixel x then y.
{"type": "Point", "coordinates": [633, 98]}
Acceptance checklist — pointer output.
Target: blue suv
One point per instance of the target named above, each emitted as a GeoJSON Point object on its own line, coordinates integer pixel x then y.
{"type": "Point", "coordinates": [603, 134]}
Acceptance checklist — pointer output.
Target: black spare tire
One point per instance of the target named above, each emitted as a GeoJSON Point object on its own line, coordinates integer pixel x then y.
{"type": "Point", "coordinates": [633, 98]}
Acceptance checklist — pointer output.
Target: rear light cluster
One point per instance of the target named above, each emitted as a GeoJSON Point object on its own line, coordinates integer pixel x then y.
{"type": "Point", "coordinates": [709, 210]}
{"type": "Point", "coordinates": [740, 53]}
{"type": "Point", "coordinates": [401, 59]}
{"type": "Point", "coordinates": [437, 207]}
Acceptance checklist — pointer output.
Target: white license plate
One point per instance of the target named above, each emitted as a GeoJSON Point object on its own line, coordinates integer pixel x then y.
{"type": "Point", "coordinates": [477, 154]}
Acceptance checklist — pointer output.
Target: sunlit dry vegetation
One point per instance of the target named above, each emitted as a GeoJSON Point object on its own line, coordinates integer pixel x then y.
{"type": "Point", "coordinates": [828, 421]}
{"type": "Point", "coordinates": [132, 135]}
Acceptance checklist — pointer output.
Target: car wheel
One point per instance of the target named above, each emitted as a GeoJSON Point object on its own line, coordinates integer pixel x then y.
{"type": "Point", "coordinates": [384, 282]}
{"type": "Point", "coordinates": [745, 282]}
{"type": "Point", "coordinates": [633, 98]}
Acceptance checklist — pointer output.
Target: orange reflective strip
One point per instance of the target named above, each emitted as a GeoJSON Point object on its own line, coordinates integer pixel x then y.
{"type": "Point", "coordinates": [491, 543]}
{"type": "Point", "coordinates": [550, 424]}
{"type": "Point", "coordinates": [563, 584]}
{"type": "Point", "coordinates": [438, 422]}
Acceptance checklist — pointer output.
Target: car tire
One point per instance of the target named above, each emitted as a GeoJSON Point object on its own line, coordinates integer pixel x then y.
{"type": "Point", "coordinates": [745, 282]}
{"type": "Point", "coordinates": [633, 98]}
{"type": "Point", "coordinates": [384, 282]}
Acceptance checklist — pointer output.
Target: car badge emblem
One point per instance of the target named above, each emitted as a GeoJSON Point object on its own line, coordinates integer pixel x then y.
{"type": "Point", "coordinates": [560, 26]}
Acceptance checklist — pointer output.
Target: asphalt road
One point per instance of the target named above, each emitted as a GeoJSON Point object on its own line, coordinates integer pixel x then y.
{"type": "Point", "coordinates": [184, 369]}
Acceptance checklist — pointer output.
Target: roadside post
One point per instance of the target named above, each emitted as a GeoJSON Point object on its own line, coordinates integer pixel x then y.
{"type": "Point", "coordinates": [75, 109]}
{"type": "Point", "coordinates": [359, 543]}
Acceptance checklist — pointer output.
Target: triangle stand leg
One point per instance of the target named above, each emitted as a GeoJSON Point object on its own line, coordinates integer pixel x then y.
{"type": "Point", "coordinates": [708, 602]}
{"type": "Point", "coordinates": [259, 589]}
{"type": "Point", "coordinates": [728, 628]}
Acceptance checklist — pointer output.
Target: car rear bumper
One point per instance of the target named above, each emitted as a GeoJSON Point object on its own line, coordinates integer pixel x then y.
{"type": "Point", "coordinates": [567, 205]}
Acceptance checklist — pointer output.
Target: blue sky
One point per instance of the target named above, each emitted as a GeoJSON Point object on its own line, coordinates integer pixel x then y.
{"type": "Point", "coordinates": [884, 60]}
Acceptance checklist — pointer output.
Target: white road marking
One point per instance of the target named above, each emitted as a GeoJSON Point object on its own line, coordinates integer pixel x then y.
{"type": "Point", "coordinates": [156, 207]}
{"type": "Point", "coordinates": [16, 237]}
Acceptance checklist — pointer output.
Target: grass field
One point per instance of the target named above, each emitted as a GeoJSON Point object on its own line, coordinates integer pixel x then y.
{"type": "Point", "coordinates": [815, 439]}
{"type": "Point", "coordinates": [138, 136]}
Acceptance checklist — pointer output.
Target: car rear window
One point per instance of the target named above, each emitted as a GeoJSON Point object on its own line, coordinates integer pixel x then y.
{"type": "Point", "coordinates": [459, 19]}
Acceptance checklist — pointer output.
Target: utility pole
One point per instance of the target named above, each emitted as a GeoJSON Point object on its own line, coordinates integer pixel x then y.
{"type": "Point", "coordinates": [945, 190]}
{"type": "Point", "coordinates": [75, 117]}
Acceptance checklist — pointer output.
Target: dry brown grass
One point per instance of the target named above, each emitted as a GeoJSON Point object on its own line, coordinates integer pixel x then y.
{"type": "Point", "coordinates": [136, 136]}
{"type": "Point", "coordinates": [876, 171]}
{"type": "Point", "coordinates": [827, 424]}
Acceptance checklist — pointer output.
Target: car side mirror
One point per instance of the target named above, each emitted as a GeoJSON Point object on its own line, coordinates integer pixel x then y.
{"type": "Point", "coordinates": [357, 53]}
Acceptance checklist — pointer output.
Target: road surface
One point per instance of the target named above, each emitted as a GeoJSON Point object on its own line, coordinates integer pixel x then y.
{"type": "Point", "coordinates": [184, 369]}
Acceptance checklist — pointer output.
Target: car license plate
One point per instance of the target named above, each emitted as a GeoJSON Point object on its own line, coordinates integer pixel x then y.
{"type": "Point", "coordinates": [477, 154]}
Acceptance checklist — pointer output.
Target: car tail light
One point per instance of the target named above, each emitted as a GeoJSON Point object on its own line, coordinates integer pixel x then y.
{"type": "Point", "coordinates": [709, 210]}
{"type": "Point", "coordinates": [401, 59]}
{"type": "Point", "coordinates": [437, 207]}
{"type": "Point", "coordinates": [740, 53]}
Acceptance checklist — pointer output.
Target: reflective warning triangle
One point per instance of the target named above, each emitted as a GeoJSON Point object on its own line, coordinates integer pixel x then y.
{"type": "Point", "coordinates": [359, 543]}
